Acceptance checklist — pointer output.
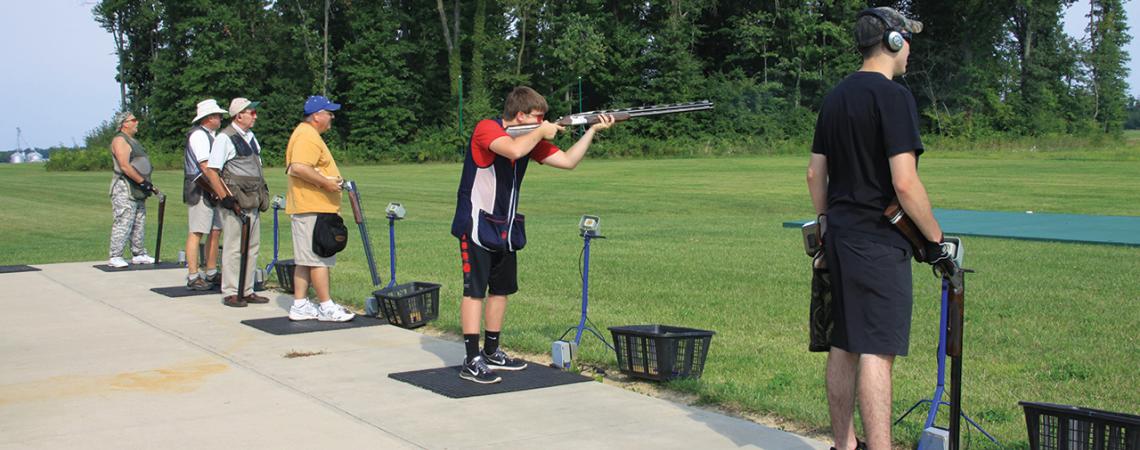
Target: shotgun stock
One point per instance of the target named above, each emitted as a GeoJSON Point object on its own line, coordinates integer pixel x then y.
{"type": "Point", "coordinates": [619, 115]}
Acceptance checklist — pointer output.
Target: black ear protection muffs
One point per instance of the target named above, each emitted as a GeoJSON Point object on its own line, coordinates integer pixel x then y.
{"type": "Point", "coordinates": [893, 38]}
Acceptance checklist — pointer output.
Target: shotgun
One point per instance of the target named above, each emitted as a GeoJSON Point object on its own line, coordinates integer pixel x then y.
{"type": "Point", "coordinates": [158, 240]}
{"type": "Point", "coordinates": [949, 269]}
{"type": "Point", "coordinates": [619, 115]}
{"type": "Point", "coordinates": [358, 217]}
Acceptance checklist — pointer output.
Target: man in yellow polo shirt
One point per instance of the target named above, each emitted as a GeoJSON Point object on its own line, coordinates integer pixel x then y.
{"type": "Point", "coordinates": [314, 188]}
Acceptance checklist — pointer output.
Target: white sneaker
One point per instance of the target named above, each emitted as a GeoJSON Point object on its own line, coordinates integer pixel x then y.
{"type": "Point", "coordinates": [117, 262]}
{"type": "Point", "coordinates": [142, 259]}
{"type": "Point", "coordinates": [307, 312]}
{"type": "Point", "coordinates": [334, 313]}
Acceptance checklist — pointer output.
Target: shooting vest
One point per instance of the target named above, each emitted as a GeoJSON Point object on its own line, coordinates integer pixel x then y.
{"type": "Point", "coordinates": [242, 174]}
{"type": "Point", "coordinates": [137, 159]}
{"type": "Point", "coordinates": [191, 193]}
{"type": "Point", "coordinates": [488, 200]}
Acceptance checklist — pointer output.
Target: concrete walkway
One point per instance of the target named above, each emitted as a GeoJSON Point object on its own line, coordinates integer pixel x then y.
{"type": "Point", "coordinates": [96, 360]}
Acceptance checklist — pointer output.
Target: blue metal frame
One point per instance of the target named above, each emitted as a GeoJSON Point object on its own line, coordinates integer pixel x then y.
{"type": "Point", "coordinates": [936, 400]}
{"type": "Point", "coordinates": [582, 325]}
{"type": "Point", "coordinates": [269, 267]}
{"type": "Point", "coordinates": [392, 250]}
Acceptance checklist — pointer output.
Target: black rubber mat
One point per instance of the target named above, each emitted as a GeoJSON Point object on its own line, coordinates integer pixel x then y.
{"type": "Point", "coordinates": [14, 269]}
{"type": "Point", "coordinates": [445, 380]}
{"type": "Point", "coordinates": [282, 325]}
{"type": "Point", "coordinates": [181, 291]}
{"type": "Point", "coordinates": [132, 267]}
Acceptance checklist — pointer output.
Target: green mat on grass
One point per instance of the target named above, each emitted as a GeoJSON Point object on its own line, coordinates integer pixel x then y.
{"type": "Point", "coordinates": [1112, 230]}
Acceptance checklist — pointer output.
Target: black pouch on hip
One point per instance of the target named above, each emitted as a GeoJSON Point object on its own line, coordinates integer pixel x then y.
{"type": "Point", "coordinates": [330, 236]}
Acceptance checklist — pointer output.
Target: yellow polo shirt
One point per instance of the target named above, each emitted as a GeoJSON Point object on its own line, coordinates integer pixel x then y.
{"type": "Point", "coordinates": [306, 147]}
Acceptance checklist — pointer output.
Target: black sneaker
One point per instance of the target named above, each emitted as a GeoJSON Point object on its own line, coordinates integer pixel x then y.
{"type": "Point", "coordinates": [215, 279]}
{"type": "Point", "coordinates": [500, 361]}
{"type": "Point", "coordinates": [476, 370]}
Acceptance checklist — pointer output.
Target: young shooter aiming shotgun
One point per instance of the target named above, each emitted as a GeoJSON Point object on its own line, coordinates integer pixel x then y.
{"type": "Point", "coordinates": [487, 222]}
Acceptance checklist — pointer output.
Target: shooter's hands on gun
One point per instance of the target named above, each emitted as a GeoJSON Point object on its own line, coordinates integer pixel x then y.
{"type": "Point", "coordinates": [230, 203]}
{"type": "Point", "coordinates": [941, 255]}
{"type": "Point", "coordinates": [313, 176]}
{"type": "Point", "coordinates": [333, 184]}
{"type": "Point", "coordinates": [549, 129]}
{"type": "Point", "coordinates": [606, 121]}
{"type": "Point", "coordinates": [147, 186]}
{"type": "Point", "coordinates": [936, 252]}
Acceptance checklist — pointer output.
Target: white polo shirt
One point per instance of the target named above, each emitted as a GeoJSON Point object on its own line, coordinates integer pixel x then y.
{"type": "Point", "coordinates": [223, 150]}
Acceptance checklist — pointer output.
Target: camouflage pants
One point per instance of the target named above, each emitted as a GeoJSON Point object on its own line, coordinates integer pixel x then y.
{"type": "Point", "coordinates": [130, 220]}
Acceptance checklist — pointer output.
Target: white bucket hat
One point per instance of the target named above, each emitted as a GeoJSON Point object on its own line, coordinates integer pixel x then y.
{"type": "Point", "coordinates": [207, 107]}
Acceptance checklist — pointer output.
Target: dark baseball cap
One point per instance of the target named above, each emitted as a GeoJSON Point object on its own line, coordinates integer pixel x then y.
{"type": "Point", "coordinates": [869, 29]}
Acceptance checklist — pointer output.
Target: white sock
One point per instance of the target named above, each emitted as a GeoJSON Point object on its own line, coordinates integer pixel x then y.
{"type": "Point", "coordinates": [211, 272]}
{"type": "Point", "coordinates": [193, 276]}
{"type": "Point", "coordinates": [326, 304]}
{"type": "Point", "coordinates": [299, 302]}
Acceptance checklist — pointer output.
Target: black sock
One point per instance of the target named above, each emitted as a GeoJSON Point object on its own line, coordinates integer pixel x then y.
{"type": "Point", "coordinates": [471, 341]}
{"type": "Point", "coordinates": [491, 343]}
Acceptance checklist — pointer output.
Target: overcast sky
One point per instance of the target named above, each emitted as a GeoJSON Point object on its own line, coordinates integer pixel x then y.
{"type": "Point", "coordinates": [58, 71]}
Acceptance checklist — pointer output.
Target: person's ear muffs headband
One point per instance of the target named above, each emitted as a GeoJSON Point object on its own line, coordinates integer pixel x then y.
{"type": "Point", "coordinates": [892, 38]}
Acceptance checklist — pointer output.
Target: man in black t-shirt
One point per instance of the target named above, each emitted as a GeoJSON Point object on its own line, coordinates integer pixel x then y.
{"type": "Point", "coordinates": [864, 155]}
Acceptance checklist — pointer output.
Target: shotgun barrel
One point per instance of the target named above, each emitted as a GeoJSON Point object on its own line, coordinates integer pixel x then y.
{"type": "Point", "coordinates": [158, 240]}
{"type": "Point", "coordinates": [621, 114]}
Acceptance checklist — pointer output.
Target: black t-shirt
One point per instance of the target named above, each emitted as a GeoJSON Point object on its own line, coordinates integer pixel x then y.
{"type": "Point", "coordinates": [864, 120]}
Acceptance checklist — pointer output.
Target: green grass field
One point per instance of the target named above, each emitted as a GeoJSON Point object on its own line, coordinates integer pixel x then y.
{"type": "Point", "coordinates": [699, 243]}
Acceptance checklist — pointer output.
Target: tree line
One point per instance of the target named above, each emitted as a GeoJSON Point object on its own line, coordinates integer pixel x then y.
{"type": "Point", "coordinates": [402, 68]}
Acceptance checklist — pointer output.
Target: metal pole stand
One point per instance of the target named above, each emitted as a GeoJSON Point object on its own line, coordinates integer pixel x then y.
{"type": "Point", "coordinates": [583, 320]}
{"type": "Point", "coordinates": [392, 248]}
{"type": "Point", "coordinates": [277, 206]}
{"type": "Point", "coordinates": [932, 437]}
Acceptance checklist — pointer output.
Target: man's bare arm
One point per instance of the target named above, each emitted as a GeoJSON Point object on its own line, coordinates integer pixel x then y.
{"type": "Point", "coordinates": [570, 158]}
{"type": "Point", "coordinates": [122, 152]}
{"type": "Point", "coordinates": [912, 195]}
{"type": "Point", "coordinates": [310, 174]}
{"type": "Point", "coordinates": [517, 147]}
{"type": "Point", "coordinates": [817, 182]}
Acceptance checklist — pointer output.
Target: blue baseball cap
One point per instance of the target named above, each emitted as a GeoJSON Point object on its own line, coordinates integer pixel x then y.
{"type": "Point", "coordinates": [318, 102]}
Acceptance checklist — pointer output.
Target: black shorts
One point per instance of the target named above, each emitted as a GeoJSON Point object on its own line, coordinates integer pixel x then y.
{"type": "Point", "coordinates": [484, 269]}
{"type": "Point", "coordinates": [871, 295]}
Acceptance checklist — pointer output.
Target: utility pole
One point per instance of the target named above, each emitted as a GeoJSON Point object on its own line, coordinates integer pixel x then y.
{"type": "Point", "coordinates": [325, 84]}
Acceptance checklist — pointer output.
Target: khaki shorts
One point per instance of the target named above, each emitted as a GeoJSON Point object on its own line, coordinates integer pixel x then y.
{"type": "Point", "coordinates": [303, 255]}
{"type": "Point", "coordinates": [203, 218]}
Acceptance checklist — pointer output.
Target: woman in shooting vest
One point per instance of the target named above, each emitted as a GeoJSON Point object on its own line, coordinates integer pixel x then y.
{"type": "Point", "coordinates": [129, 189]}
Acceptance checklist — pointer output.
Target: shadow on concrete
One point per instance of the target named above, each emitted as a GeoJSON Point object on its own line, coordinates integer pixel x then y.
{"type": "Point", "coordinates": [744, 433]}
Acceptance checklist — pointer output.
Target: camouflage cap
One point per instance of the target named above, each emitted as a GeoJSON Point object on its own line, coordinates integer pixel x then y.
{"type": "Point", "coordinates": [869, 28]}
{"type": "Point", "coordinates": [120, 118]}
